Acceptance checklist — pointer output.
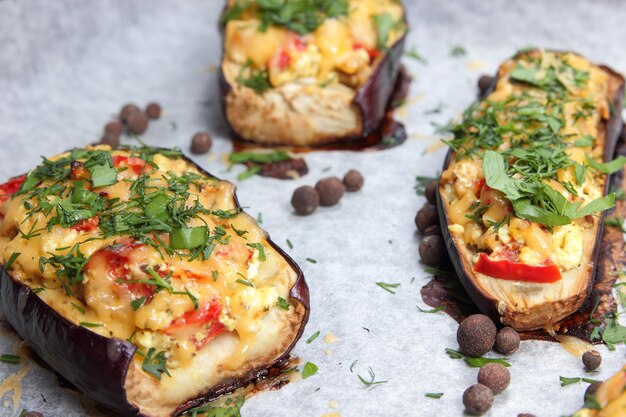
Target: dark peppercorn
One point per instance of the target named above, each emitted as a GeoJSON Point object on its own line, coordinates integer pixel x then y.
{"type": "Point", "coordinates": [353, 180]}
{"type": "Point", "coordinates": [153, 110]}
{"type": "Point", "coordinates": [426, 216]}
{"type": "Point", "coordinates": [113, 128]}
{"type": "Point", "coordinates": [330, 191]}
{"type": "Point", "coordinates": [477, 399]}
{"type": "Point", "coordinates": [525, 415]}
{"type": "Point", "coordinates": [127, 110]}
{"type": "Point", "coordinates": [476, 335]}
{"type": "Point", "coordinates": [592, 389]}
{"type": "Point", "coordinates": [32, 414]}
{"type": "Point", "coordinates": [110, 140]}
{"type": "Point", "coordinates": [432, 250]}
{"type": "Point", "coordinates": [432, 230]}
{"type": "Point", "coordinates": [137, 123]}
{"type": "Point", "coordinates": [305, 200]}
{"type": "Point", "coordinates": [592, 359]}
{"type": "Point", "coordinates": [484, 82]}
{"type": "Point", "coordinates": [494, 376]}
{"type": "Point", "coordinates": [430, 192]}
{"type": "Point", "coordinates": [507, 341]}
{"type": "Point", "coordinates": [201, 143]}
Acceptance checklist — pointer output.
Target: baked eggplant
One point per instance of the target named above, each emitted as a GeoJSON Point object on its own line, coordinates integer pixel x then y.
{"type": "Point", "coordinates": [137, 276]}
{"type": "Point", "coordinates": [524, 186]}
{"type": "Point", "coordinates": [609, 399]}
{"type": "Point", "coordinates": [309, 72]}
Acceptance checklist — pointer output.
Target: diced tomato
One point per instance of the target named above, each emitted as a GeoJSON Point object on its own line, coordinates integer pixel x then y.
{"type": "Point", "coordinates": [517, 271]}
{"type": "Point", "coordinates": [283, 60]}
{"type": "Point", "coordinates": [205, 318]}
{"type": "Point", "coordinates": [11, 187]}
{"type": "Point", "coordinates": [78, 171]}
{"type": "Point", "coordinates": [87, 225]}
{"type": "Point", "coordinates": [373, 53]}
{"type": "Point", "coordinates": [134, 164]}
{"type": "Point", "coordinates": [117, 259]}
{"type": "Point", "coordinates": [479, 185]}
{"type": "Point", "coordinates": [299, 44]}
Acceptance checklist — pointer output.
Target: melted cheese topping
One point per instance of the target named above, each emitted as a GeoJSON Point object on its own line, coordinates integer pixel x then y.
{"type": "Point", "coordinates": [496, 230]}
{"type": "Point", "coordinates": [227, 293]}
{"type": "Point", "coordinates": [341, 49]}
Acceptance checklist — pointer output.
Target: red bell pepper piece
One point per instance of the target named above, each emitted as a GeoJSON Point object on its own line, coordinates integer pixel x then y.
{"type": "Point", "coordinates": [11, 187]}
{"type": "Point", "coordinates": [134, 164]}
{"type": "Point", "coordinates": [87, 225]}
{"type": "Point", "coordinates": [517, 271]}
{"type": "Point", "coordinates": [195, 321]}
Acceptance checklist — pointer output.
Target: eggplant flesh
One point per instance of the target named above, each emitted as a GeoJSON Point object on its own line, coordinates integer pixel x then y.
{"type": "Point", "coordinates": [306, 110]}
{"type": "Point", "coordinates": [515, 303]}
{"type": "Point", "coordinates": [109, 369]}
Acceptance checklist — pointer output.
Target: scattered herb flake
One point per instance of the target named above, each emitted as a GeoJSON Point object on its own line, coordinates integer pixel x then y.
{"type": "Point", "coordinates": [435, 395]}
{"type": "Point", "coordinates": [313, 337]}
{"type": "Point", "coordinates": [309, 369]}
{"type": "Point", "coordinates": [388, 287]}
{"type": "Point", "coordinates": [11, 359]}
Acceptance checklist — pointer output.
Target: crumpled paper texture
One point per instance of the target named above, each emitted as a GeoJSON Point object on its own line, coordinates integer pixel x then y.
{"type": "Point", "coordinates": [68, 66]}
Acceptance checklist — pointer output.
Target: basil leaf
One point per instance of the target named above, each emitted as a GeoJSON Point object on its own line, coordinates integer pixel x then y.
{"type": "Point", "coordinates": [102, 175]}
{"type": "Point", "coordinates": [597, 205]}
{"type": "Point", "coordinates": [496, 177]}
{"type": "Point", "coordinates": [309, 369]}
{"type": "Point", "coordinates": [188, 237]}
{"type": "Point", "coordinates": [384, 23]}
{"type": "Point", "coordinates": [526, 210]}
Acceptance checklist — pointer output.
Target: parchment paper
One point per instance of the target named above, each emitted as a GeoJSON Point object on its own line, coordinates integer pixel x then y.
{"type": "Point", "coordinates": [66, 67]}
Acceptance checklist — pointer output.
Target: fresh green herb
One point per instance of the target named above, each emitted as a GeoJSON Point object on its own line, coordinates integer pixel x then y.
{"type": "Point", "coordinates": [37, 290]}
{"type": "Point", "coordinates": [259, 248]}
{"type": "Point", "coordinates": [135, 304]}
{"type": "Point", "coordinates": [313, 337]}
{"type": "Point", "coordinates": [214, 275]}
{"type": "Point", "coordinates": [240, 233]}
{"type": "Point", "coordinates": [384, 24]}
{"type": "Point", "coordinates": [434, 110]}
{"type": "Point", "coordinates": [188, 237]}
{"type": "Point", "coordinates": [475, 362]}
{"type": "Point", "coordinates": [435, 395]}
{"type": "Point", "coordinates": [282, 303]}
{"type": "Point", "coordinates": [584, 141]}
{"type": "Point", "coordinates": [12, 259]}
{"type": "Point", "coordinates": [432, 310]}
{"type": "Point", "coordinates": [259, 218]}
{"type": "Point", "coordinates": [155, 363]}
{"type": "Point", "coordinates": [412, 53]}
{"type": "Point", "coordinates": [232, 409]}
{"type": "Point", "coordinates": [11, 359]}
{"type": "Point", "coordinates": [613, 333]}
{"type": "Point", "coordinates": [608, 167]}
{"type": "Point", "coordinates": [250, 172]}
{"type": "Point", "coordinates": [422, 183]}
{"type": "Point", "coordinates": [352, 366]}
{"type": "Point", "coordinates": [87, 324]}
{"type": "Point", "coordinates": [68, 268]}
{"type": "Point", "coordinates": [458, 51]}
{"type": "Point", "coordinates": [309, 369]}
{"type": "Point", "coordinates": [302, 17]}
{"type": "Point", "coordinates": [388, 287]}
{"type": "Point", "coordinates": [592, 403]}
{"type": "Point", "coordinates": [574, 380]}
{"type": "Point", "coordinates": [244, 281]}
{"type": "Point", "coordinates": [289, 244]}
{"type": "Point", "coordinates": [258, 157]}
{"type": "Point", "coordinates": [372, 379]}
{"type": "Point", "coordinates": [256, 79]}
{"type": "Point", "coordinates": [311, 260]}
{"type": "Point", "coordinates": [78, 307]}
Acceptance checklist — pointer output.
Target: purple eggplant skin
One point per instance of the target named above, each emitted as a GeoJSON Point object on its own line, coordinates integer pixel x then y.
{"type": "Point", "coordinates": [372, 98]}
{"type": "Point", "coordinates": [98, 365]}
{"type": "Point", "coordinates": [484, 302]}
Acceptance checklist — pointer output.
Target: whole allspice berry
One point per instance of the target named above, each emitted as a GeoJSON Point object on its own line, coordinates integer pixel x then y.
{"type": "Point", "coordinates": [113, 128]}
{"type": "Point", "coordinates": [430, 192]}
{"type": "Point", "coordinates": [494, 376]}
{"type": "Point", "coordinates": [305, 200]}
{"type": "Point", "coordinates": [426, 216]}
{"type": "Point", "coordinates": [592, 389]}
{"type": "Point", "coordinates": [484, 82]}
{"type": "Point", "coordinates": [507, 341]}
{"type": "Point", "coordinates": [476, 335]}
{"type": "Point", "coordinates": [137, 123]}
{"type": "Point", "coordinates": [432, 230]}
{"type": "Point", "coordinates": [201, 143]}
{"type": "Point", "coordinates": [432, 250]}
{"type": "Point", "coordinates": [525, 415]}
{"type": "Point", "coordinates": [330, 191]}
{"type": "Point", "coordinates": [592, 359]}
{"type": "Point", "coordinates": [477, 399]}
{"type": "Point", "coordinates": [153, 111]}
{"type": "Point", "coordinates": [32, 414]}
{"type": "Point", "coordinates": [353, 180]}
{"type": "Point", "coordinates": [127, 110]}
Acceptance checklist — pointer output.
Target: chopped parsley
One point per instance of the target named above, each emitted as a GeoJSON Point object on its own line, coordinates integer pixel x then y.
{"type": "Point", "coordinates": [256, 79]}
{"type": "Point", "coordinates": [475, 362]}
{"type": "Point", "coordinates": [372, 379]}
{"type": "Point", "coordinates": [231, 408]}
{"type": "Point", "coordinates": [12, 259]}
{"type": "Point", "coordinates": [388, 287]}
{"type": "Point", "coordinates": [155, 363]}
{"type": "Point", "coordinates": [309, 369]}
{"type": "Point", "coordinates": [458, 51]}
{"type": "Point", "coordinates": [413, 54]}
{"type": "Point", "coordinates": [435, 395]}
{"type": "Point", "coordinates": [10, 359]}
{"type": "Point", "coordinates": [313, 337]}
{"type": "Point", "coordinates": [282, 303]}
{"type": "Point", "coordinates": [259, 248]}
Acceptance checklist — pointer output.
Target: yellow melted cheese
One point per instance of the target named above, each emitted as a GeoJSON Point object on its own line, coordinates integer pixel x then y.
{"type": "Point", "coordinates": [534, 244]}
{"type": "Point", "coordinates": [100, 300]}
{"type": "Point", "coordinates": [340, 50]}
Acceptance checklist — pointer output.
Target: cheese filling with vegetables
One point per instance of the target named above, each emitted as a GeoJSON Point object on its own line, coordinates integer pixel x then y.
{"type": "Point", "coordinates": [138, 244]}
{"type": "Point", "coordinates": [526, 183]}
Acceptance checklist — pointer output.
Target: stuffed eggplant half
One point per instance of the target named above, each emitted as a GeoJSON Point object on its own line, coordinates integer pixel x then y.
{"type": "Point", "coordinates": [309, 72]}
{"type": "Point", "coordinates": [524, 186]}
{"type": "Point", "coordinates": [137, 277]}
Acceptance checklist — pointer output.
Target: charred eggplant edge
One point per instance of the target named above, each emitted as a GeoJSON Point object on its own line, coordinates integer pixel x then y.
{"type": "Point", "coordinates": [98, 365]}
{"type": "Point", "coordinates": [483, 301]}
